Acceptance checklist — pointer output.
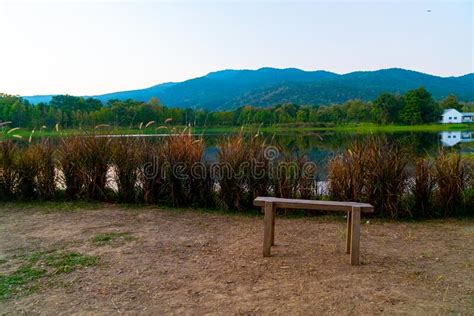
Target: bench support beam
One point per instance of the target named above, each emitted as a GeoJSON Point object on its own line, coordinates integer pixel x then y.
{"type": "Point", "coordinates": [349, 232]}
{"type": "Point", "coordinates": [355, 235]}
{"type": "Point", "coordinates": [269, 230]}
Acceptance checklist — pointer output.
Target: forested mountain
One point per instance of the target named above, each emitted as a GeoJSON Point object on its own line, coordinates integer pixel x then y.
{"type": "Point", "coordinates": [230, 89]}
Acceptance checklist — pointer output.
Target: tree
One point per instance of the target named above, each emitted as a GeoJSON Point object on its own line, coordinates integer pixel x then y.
{"type": "Point", "coordinates": [419, 107]}
{"type": "Point", "coordinates": [451, 102]}
{"type": "Point", "coordinates": [385, 108]}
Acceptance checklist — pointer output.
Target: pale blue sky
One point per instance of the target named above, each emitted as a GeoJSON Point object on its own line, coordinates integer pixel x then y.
{"type": "Point", "coordinates": [94, 47]}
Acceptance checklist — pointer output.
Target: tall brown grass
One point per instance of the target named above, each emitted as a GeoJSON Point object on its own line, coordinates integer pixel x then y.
{"type": "Point", "coordinates": [371, 171]}
{"type": "Point", "coordinates": [94, 162]}
{"type": "Point", "coordinates": [450, 174]}
{"type": "Point", "coordinates": [70, 156]}
{"type": "Point", "coordinates": [27, 167]}
{"type": "Point", "coordinates": [8, 170]}
{"type": "Point", "coordinates": [293, 177]}
{"type": "Point", "coordinates": [347, 173]}
{"type": "Point", "coordinates": [173, 170]}
{"type": "Point", "coordinates": [422, 188]}
{"type": "Point", "coordinates": [126, 153]}
{"type": "Point", "coordinates": [258, 180]}
{"type": "Point", "coordinates": [46, 169]}
{"type": "Point", "coordinates": [151, 182]}
{"type": "Point", "coordinates": [233, 165]}
{"type": "Point", "coordinates": [387, 177]}
{"type": "Point", "coordinates": [182, 154]}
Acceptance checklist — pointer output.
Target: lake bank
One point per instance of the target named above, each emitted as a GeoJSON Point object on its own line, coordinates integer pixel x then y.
{"type": "Point", "coordinates": [287, 128]}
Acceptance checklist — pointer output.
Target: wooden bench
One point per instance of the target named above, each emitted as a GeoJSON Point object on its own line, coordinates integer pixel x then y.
{"type": "Point", "coordinates": [353, 210]}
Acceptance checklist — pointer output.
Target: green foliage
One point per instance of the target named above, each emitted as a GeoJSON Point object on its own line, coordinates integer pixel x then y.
{"type": "Point", "coordinates": [451, 102]}
{"type": "Point", "coordinates": [414, 107]}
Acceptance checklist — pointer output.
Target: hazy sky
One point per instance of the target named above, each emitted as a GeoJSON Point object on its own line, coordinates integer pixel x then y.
{"type": "Point", "coordinates": [93, 47]}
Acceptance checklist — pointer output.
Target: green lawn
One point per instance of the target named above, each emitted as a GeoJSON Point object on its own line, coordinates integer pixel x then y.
{"type": "Point", "coordinates": [348, 128]}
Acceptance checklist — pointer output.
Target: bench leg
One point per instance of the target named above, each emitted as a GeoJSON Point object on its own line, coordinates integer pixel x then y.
{"type": "Point", "coordinates": [348, 232]}
{"type": "Point", "coordinates": [355, 235]}
{"type": "Point", "coordinates": [268, 230]}
{"type": "Point", "coordinates": [273, 226]}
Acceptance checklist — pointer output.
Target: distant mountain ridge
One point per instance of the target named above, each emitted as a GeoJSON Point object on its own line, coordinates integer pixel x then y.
{"type": "Point", "coordinates": [227, 89]}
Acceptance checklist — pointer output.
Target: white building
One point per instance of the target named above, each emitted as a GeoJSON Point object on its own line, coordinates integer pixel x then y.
{"type": "Point", "coordinates": [454, 116]}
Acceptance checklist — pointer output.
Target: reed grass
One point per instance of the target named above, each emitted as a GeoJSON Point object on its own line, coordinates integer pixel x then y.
{"type": "Point", "coordinates": [183, 155]}
{"type": "Point", "coordinates": [126, 153]}
{"type": "Point", "coordinates": [94, 163]}
{"type": "Point", "coordinates": [45, 154]}
{"type": "Point", "coordinates": [70, 156]}
{"type": "Point", "coordinates": [174, 171]}
{"type": "Point", "coordinates": [422, 188]}
{"type": "Point", "coordinates": [372, 171]}
{"type": "Point", "coordinates": [27, 168]}
{"type": "Point", "coordinates": [8, 170]}
{"type": "Point", "coordinates": [232, 161]}
{"type": "Point", "coordinates": [451, 176]}
{"type": "Point", "coordinates": [292, 177]}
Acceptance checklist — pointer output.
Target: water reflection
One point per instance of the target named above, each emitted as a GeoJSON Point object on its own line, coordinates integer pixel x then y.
{"type": "Point", "coordinates": [452, 138]}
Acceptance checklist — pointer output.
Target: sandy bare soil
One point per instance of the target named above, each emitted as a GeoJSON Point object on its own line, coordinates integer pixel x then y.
{"type": "Point", "coordinates": [184, 262]}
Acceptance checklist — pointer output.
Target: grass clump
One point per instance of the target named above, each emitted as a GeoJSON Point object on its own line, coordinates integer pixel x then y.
{"type": "Point", "coordinates": [18, 280]}
{"type": "Point", "coordinates": [111, 238]}
{"type": "Point", "coordinates": [41, 264]}
{"type": "Point", "coordinates": [65, 262]}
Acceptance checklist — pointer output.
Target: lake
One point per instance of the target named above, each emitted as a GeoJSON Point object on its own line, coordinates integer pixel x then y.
{"type": "Point", "coordinates": [319, 146]}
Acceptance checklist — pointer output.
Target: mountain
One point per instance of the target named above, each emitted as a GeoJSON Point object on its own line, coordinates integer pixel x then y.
{"type": "Point", "coordinates": [228, 89]}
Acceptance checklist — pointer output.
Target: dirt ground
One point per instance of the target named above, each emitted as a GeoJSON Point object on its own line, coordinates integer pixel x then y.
{"type": "Point", "coordinates": [188, 262]}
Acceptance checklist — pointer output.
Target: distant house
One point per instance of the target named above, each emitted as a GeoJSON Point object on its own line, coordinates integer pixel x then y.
{"type": "Point", "coordinates": [454, 116]}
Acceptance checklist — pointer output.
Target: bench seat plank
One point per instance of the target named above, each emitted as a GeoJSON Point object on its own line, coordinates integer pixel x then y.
{"type": "Point", "coordinates": [313, 204]}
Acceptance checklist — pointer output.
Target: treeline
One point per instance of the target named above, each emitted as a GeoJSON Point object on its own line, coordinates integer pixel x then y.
{"type": "Point", "coordinates": [414, 107]}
